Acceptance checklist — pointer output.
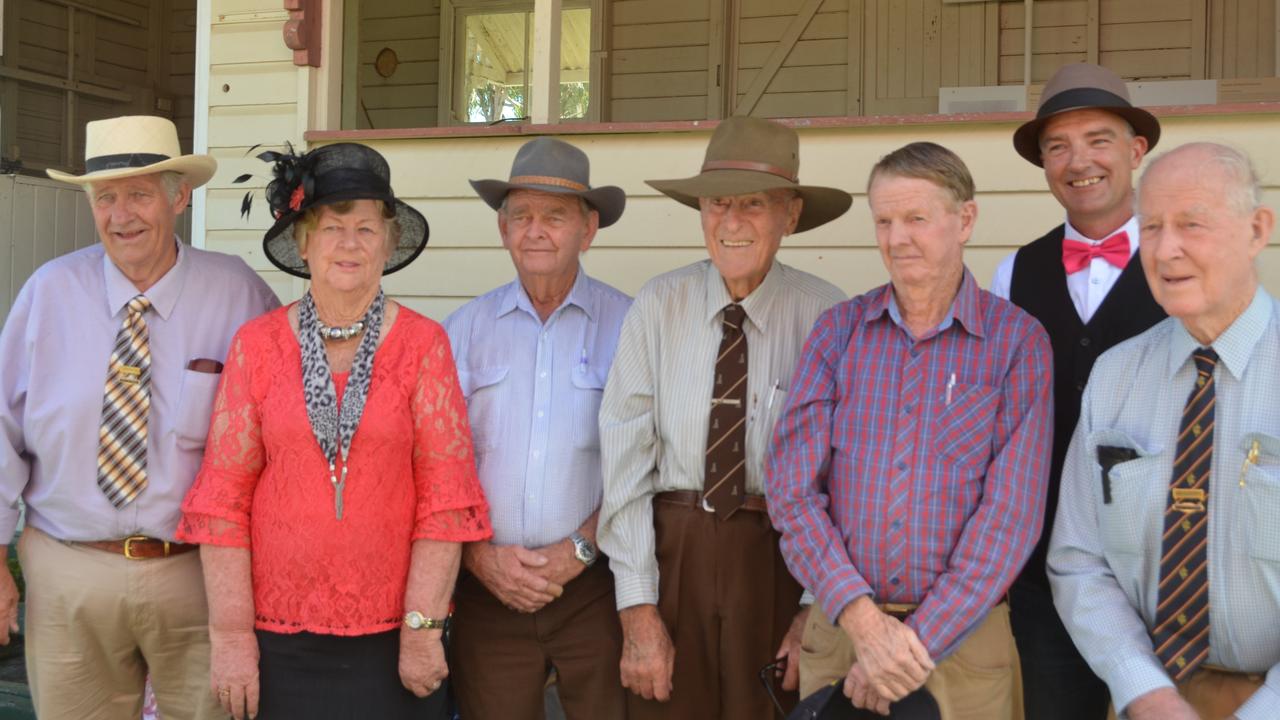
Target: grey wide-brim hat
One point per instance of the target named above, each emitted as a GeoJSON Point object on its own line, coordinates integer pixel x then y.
{"type": "Point", "coordinates": [1082, 86]}
{"type": "Point", "coordinates": [327, 175]}
{"type": "Point", "coordinates": [550, 165]}
{"type": "Point", "coordinates": [748, 155]}
{"type": "Point", "coordinates": [132, 145]}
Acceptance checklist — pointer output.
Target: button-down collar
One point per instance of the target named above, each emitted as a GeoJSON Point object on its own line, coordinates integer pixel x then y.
{"type": "Point", "coordinates": [965, 308]}
{"type": "Point", "coordinates": [1234, 346]}
{"type": "Point", "coordinates": [163, 295]}
{"type": "Point", "coordinates": [516, 298]}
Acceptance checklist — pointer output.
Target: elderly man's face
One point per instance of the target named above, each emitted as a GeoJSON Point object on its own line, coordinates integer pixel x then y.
{"type": "Point", "coordinates": [1197, 246]}
{"type": "Point", "coordinates": [1089, 157]}
{"type": "Point", "coordinates": [920, 229]}
{"type": "Point", "coordinates": [546, 232]}
{"type": "Point", "coordinates": [135, 218]}
{"type": "Point", "coordinates": [743, 233]}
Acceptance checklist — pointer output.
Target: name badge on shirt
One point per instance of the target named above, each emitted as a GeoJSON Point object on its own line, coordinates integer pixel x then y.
{"type": "Point", "coordinates": [130, 374]}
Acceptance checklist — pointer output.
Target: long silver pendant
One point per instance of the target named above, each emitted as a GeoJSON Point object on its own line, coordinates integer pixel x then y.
{"type": "Point", "coordinates": [338, 486]}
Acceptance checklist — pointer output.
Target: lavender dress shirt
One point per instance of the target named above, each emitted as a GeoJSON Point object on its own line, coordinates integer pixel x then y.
{"type": "Point", "coordinates": [54, 349]}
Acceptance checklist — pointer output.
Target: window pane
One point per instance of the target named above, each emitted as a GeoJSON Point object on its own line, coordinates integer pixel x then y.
{"type": "Point", "coordinates": [575, 62]}
{"type": "Point", "coordinates": [494, 56]}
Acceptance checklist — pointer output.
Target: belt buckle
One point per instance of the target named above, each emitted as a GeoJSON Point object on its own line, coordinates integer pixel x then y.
{"type": "Point", "coordinates": [128, 546]}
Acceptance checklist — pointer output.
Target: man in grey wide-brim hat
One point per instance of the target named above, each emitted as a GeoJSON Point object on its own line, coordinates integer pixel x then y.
{"type": "Point", "coordinates": [109, 361]}
{"type": "Point", "coordinates": [1083, 281]}
{"type": "Point", "coordinates": [532, 358]}
{"type": "Point", "coordinates": [700, 376]}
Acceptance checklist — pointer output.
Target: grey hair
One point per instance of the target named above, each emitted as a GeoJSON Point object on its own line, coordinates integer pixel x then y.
{"type": "Point", "coordinates": [171, 181]}
{"type": "Point", "coordinates": [1243, 189]}
{"type": "Point", "coordinates": [582, 204]}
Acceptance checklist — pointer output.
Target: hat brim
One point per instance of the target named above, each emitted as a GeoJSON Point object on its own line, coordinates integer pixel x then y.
{"type": "Point", "coordinates": [821, 204]}
{"type": "Point", "coordinates": [1026, 139]}
{"type": "Point", "coordinates": [609, 201]}
{"type": "Point", "coordinates": [281, 248]}
{"type": "Point", "coordinates": [196, 170]}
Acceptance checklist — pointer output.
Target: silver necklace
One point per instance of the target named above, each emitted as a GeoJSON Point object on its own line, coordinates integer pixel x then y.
{"type": "Point", "coordinates": [339, 333]}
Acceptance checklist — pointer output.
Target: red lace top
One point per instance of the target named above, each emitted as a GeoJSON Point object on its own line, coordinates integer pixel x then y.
{"type": "Point", "coordinates": [265, 484]}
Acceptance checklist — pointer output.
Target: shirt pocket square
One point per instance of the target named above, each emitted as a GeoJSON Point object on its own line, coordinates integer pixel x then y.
{"type": "Point", "coordinates": [205, 365]}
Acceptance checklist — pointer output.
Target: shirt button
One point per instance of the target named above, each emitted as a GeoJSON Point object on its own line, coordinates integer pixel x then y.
{"type": "Point", "coordinates": [902, 466]}
{"type": "Point", "coordinates": [896, 524]}
{"type": "Point", "coordinates": [543, 375]}
{"type": "Point", "coordinates": [894, 581]}
{"type": "Point", "coordinates": [535, 453]}
{"type": "Point", "coordinates": [906, 410]}
{"type": "Point", "coordinates": [1096, 281]}
{"type": "Point", "coordinates": [1084, 342]}
{"type": "Point", "coordinates": [915, 352]}
{"type": "Point", "coordinates": [540, 413]}
{"type": "Point", "coordinates": [1080, 386]}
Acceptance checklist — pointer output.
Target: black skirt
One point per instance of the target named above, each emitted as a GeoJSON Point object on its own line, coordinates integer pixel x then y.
{"type": "Point", "coordinates": [306, 676]}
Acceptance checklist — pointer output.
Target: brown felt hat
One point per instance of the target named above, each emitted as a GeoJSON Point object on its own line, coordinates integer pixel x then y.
{"type": "Point", "coordinates": [748, 155]}
{"type": "Point", "coordinates": [549, 165]}
{"type": "Point", "coordinates": [1081, 86]}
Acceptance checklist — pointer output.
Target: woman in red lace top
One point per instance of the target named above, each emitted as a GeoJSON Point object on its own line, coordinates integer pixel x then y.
{"type": "Point", "coordinates": [338, 482]}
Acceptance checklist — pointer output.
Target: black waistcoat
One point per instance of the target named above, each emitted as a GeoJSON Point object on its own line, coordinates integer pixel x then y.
{"type": "Point", "coordinates": [1039, 286]}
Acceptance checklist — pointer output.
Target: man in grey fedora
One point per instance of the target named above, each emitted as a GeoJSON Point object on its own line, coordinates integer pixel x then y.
{"type": "Point", "coordinates": [532, 357]}
{"type": "Point", "coordinates": [1084, 282]}
{"type": "Point", "coordinates": [109, 362]}
{"type": "Point", "coordinates": [700, 377]}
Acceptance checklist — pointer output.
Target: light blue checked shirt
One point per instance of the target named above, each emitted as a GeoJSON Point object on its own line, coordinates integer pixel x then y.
{"type": "Point", "coordinates": [1104, 558]}
{"type": "Point", "coordinates": [533, 395]}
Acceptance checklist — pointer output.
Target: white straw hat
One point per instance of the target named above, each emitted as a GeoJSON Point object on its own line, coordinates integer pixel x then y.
{"type": "Point", "coordinates": [136, 145]}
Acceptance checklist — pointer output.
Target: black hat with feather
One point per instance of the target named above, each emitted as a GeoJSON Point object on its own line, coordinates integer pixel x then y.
{"type": "Point", "coordinates": [326, 175]}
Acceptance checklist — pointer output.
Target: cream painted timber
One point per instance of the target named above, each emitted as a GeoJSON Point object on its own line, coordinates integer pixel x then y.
{"type": "Point", "coordinates": [465, 257]}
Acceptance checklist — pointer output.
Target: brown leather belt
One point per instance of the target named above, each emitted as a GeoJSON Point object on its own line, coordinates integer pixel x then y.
{"type": "Point", "coordinates": [902, 611]}
{"type": "Point", "coordinates": [693, 499]}
{"type": "Point", "coordinates": [140, 547]}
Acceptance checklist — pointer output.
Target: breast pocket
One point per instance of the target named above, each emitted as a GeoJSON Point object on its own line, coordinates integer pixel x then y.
{"type": "Point", "coordinates": [1123, 522]}
{"type": "Point", "coordinates": [484, 404]}
{"type": "Point", "coordinates": [1262, 497]}
{"type": "Point", "coordinates": [962, 430]}
{"type": "Point", "coordinates": [588, 389]}
{"type": "Point", "coordinates": [195, 406]}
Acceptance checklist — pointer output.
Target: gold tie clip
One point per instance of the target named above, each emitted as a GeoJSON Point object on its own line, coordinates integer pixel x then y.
{"type": "Point", "coordinates": [726, 401]}
{"type": "Point", "coordinates": [130, 374]}
{"type": "Point", "coordinates": [1188, 500]}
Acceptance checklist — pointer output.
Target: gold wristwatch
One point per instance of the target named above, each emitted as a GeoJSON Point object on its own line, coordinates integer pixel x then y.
{"type": "Point", "coordinates": [415, 620]}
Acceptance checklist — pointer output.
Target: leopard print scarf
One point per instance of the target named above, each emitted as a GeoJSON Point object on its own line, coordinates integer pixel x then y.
{"type": "Point", "coordinates": [334, 428]}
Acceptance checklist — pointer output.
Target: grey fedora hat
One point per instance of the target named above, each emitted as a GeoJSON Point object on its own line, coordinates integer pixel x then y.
{"type": "Point", "coordinates": [547, 164]}
{"type": "Point", "coordinates": [1080, 86]}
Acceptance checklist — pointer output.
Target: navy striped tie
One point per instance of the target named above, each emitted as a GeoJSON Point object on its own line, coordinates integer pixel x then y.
{"type": "Point", "coordinates": [1181, 633]}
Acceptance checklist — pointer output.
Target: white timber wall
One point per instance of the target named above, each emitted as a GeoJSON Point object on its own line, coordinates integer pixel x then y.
{"type": "Point", "coordinates": [39, 220]}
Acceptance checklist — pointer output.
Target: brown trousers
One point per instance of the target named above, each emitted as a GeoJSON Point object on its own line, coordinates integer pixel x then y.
{"type": "Point", "coordinates": [1216, 694]}
{"type": "Point", "coordinates": [981, 680]}
{"type": "Point", "coordinates": [727, 601]}
{"type": "Point", "coordinates": [499, 658]}
{"type": "Point", "coordinates": [98, 622]}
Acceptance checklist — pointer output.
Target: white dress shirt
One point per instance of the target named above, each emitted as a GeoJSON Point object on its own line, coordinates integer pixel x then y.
{"type": "Point", "coordinates": [1088, 287]}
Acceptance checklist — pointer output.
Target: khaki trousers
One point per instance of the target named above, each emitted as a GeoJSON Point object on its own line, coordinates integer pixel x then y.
{"type": "Point", "coordinates": [1216, 694]}
{"type": "Point", "coordinates": [96, 623]}
{"type": "Point", "coordinates": [981, 680]}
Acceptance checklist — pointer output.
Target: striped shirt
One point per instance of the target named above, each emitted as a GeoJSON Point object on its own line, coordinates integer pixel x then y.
{"type": "Point", "coordinates": [914, 469]}
{"type": "Point", "coordinates": [1104, 558]}
{"type": "Point", "coordinates": [533, 396]}
{"type": "Point", "coordinates": [657, 404]}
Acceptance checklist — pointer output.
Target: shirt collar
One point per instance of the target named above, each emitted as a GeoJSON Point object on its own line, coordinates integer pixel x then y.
{"type": "Point", "coordinates": [757, 304]}
{"type": "Point", "coordinates": [965, 308]}
{"type": "Point", "coordinates": [516, 298]}
{"type": "Point", "coordinates": [163, 295]}
{"type": "Point", "coordinates": [1234, 346]}
{"type": "Point", "coordinates": [1130, 228]}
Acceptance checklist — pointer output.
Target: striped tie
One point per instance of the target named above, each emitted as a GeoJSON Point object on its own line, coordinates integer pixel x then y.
{"type": "Point", "coordinates": [1181, 633]}
{"type": "Point", "coordinates": [724, 486]}
{"type": "Point", "coordinates": [122, 439]}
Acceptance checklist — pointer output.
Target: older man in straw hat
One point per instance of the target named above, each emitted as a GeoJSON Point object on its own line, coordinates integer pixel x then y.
{"type": "Point", "coordinates": [108, 365]}
{"type": "Point", "coordinates": [908, 473]}
{"type": "Point", "coordinates": [700, 376]}
{"type": "Point", "coordinates": [1083, 281]}
{"type": "Point", "coordinates": [533, 356]}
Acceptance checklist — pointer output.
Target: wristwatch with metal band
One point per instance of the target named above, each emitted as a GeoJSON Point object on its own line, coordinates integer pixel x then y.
{"type": "Point", "coordinates": [584, 549]}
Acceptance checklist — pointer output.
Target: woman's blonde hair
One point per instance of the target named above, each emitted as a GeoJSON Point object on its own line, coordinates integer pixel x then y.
{"type": "Point", "coordinates": [310, 218]}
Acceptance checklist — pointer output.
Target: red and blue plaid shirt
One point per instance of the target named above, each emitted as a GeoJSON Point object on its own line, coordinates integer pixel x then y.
{"type": "Point", "coordinates": [915, 469]}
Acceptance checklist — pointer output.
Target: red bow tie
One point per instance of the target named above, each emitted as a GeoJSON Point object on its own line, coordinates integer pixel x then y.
{"type": "Point", "coordinates": [1076, 254]}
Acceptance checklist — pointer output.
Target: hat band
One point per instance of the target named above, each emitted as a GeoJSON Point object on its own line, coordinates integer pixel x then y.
{"type": "Point", "coordinates": [547, 180]}
{"type": "Point", "coordinates": [748, 165]}
{"type": "Point", "coordinates": [1081, 97]}
{"type": "Point", "coordinates": [126, 160]}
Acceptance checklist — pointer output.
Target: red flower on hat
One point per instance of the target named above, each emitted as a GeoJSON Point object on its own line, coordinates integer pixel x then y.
{"type": "Point", "coordinates": [295, 200]}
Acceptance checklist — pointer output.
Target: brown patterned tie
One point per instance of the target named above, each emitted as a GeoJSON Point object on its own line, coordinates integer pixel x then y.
{"type": "Point", "coordinates": [1181, 633]}
{"type": "Point", "coordinates": [724, 487]}
{"type": "Point", "coordinates": [122, 439]}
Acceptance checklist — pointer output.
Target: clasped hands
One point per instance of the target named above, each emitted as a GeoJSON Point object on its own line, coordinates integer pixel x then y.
{"type": "Point", "coordinates": [522, 579]}
{"type": "Point", "coordinates": [891, 661]}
